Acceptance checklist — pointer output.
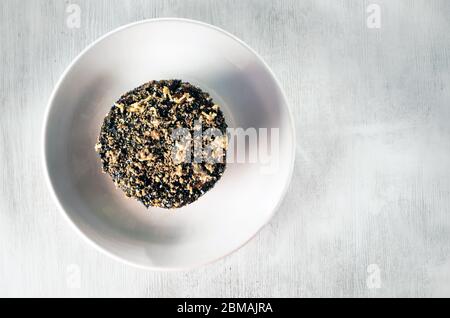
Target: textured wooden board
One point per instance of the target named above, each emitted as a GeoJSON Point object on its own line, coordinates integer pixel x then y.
{"type": "Point", "coordinates": [371, 183]}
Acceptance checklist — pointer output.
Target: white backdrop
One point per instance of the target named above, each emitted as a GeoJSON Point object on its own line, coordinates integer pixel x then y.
{"type": "Point", "coordinates": [368, 211]}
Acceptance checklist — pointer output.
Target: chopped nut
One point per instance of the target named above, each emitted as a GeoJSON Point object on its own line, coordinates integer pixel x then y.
{"type": "Point", "coordinates": [98, 146]}
{"type": "Point", "coordinates": [154, 134]}
{"type": "Point", "coordinates": [120, 106]}
{"type": "Point", "coordinates": [209, 167]}
{"type": "Point", "coordinates": [209, 117]}
{"type": "Point", "coordinates": [144, 155]}
{"type": "Point", "coordinates": [166, 92]}
{"type": "Point", "coordinates": [179, 170]}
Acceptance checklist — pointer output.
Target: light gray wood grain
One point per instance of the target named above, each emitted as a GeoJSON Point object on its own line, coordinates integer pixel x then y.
{"type": "Point", "coordinates": [371, 183]}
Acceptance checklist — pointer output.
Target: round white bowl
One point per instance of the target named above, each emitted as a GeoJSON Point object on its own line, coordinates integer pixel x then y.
{"type": "Point", "coordinates": [227, 216]}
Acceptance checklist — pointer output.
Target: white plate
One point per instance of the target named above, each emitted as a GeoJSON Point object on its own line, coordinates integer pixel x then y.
{"type": "Point", "coordinates": [222, 220]}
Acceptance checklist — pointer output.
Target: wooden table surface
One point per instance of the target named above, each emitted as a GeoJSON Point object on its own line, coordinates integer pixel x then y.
{"type": "Point", "coordinates": [368, 210]}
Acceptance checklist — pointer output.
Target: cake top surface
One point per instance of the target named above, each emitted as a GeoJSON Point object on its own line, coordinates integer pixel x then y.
{"type": "Point", "coordinates": [164, 143]}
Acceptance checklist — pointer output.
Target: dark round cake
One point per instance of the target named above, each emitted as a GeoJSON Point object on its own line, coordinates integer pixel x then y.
{"type": "Point", "coordinates": [164, 143]}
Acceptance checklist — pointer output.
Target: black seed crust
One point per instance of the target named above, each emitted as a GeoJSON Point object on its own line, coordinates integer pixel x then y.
{"type": "Point", "coordinates": [136, 145]}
